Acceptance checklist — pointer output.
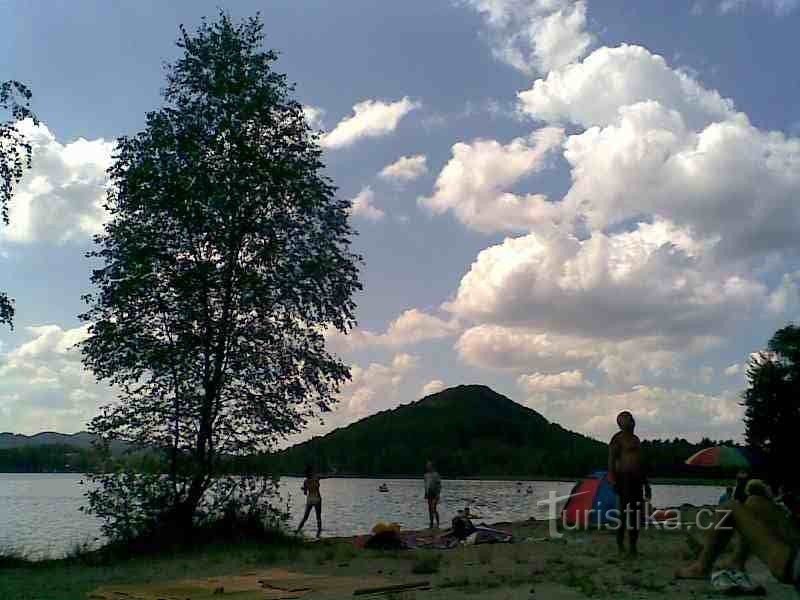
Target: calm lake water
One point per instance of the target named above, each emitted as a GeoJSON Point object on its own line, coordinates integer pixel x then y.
{"type": "Point", "coordinates": [39, 512]}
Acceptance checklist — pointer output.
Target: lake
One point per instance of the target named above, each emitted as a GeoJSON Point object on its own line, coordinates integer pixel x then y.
{"type": "Point", "coordinates": [39, 513]}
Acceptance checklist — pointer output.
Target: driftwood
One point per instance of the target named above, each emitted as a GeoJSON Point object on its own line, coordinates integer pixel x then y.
{"type": "Point", "coordinates": [392, 588]}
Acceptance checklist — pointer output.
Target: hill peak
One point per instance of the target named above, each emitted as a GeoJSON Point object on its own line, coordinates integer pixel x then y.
{"type": "Point", "coordinates": [465, 429]}
{"type": "Point", "coordinates": [470, 388]}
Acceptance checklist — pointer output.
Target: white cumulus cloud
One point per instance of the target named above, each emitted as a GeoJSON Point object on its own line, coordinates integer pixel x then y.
{"type": "Point", "coordinates": [520, 348]}
{"type": "Point", "coordinates": [553, 382]}
{"type": "Point", "coordinates": [474, 183]}
{"type": "Point", "coordinates": [405, 168]}
{"type": "Point", "coordinates": [362, 206]}
{"type": "Point", "coordinates": [432, 387]}
{"type": "Point", "coordinates": [372, 388]}
{"type": "Point", "coordinates": [649, 281]}
{"type": "Point", "coordinates": [43, 385]}
{"type": "Point", "coordinates": [660, 412]}
{"type": "Point", "coordinates": [370, 118]}
{"type": "Point", "coordinates": [60, 199]}
{"type": "Point", "coordinates": [656, 142]}
{"type": "Point", "coordinates": [410, 327]}
{"type": "Point", "coordinates": [536, 35]}
{"type": "Point", "coordinates": [314, 116]}
{"type": "Point", "coordinates": [591, 92]}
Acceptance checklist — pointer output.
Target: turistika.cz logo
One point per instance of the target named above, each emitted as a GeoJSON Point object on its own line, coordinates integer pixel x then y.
{"type": "Point", "coordinates": [614, 518]}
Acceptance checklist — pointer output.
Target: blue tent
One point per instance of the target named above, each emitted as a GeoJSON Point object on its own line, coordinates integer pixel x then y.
{"type": "Point", "coordinates": [590, 502]}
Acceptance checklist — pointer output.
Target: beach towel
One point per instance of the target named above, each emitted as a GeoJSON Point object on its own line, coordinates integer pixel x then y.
{"type": "Point", "coordinates": [487, 535]}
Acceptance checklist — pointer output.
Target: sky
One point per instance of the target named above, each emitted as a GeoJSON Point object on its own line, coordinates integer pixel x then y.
{"type": "Point", "coordinates": [587, 205]}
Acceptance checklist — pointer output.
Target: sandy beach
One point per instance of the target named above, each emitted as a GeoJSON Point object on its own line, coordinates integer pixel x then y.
{"type": "Point", "coordinates": [582, 564]}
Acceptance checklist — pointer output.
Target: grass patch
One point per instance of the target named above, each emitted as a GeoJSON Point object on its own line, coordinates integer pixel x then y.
{"type": "Point", "coordinates": [427, 564]}
{"type": "Point", "coordinates": [520, 554]}
{"type": "Point", "coordinates": [84, 570]}
{"type": "Point", "coordinates": [326, 553]}
{"type": "Point", "coordinates": [643, 585]}
{"type": "Point", "coordinates": [457, 582]}
{"type": "Point", "coordinates": [583, 582]}
{"type": "Point", "coordinates": [345, 552]}
{"type": "Point", "coordinates": [485, 554]}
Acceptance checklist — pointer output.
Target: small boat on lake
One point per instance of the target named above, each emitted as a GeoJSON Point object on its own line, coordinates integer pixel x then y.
{"type": "Point", "coordinates": [383, 488]}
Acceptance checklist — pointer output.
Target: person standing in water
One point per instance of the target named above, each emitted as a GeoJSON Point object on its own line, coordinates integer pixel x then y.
{"type": "Point", "coordinates": [313, 500]}
{"type": "Point", "coordinates": [433, 488]}
{"type": "Point", "coordinates": [627, 474]}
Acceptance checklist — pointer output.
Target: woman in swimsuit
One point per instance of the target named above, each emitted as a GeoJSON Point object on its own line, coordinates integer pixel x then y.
{"type": "Point", "coordinates": [313, 500]}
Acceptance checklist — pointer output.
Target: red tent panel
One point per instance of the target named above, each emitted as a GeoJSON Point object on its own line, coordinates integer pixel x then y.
{"type": "Point", "coordinates": [578, 506]}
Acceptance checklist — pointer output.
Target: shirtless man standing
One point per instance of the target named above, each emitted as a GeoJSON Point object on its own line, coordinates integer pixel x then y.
{"type": "Point", "coordinates": [627, 474]}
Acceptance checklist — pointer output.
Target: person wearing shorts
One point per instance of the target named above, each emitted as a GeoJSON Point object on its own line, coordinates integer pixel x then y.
{"type": "Point", "coordinates": [313, 500]}
{"type": "Point", "coordinates": [626, 473]}
{"type": "Point", "coordinates": [433, 489]}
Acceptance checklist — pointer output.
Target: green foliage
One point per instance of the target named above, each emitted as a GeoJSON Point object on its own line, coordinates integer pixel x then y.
{"type": "Point", "coordinates": [665, 459]}
{"type": "Point", "coordinates": [468, 431]}
{"type": "Point", "coordinates": [15, 157]}
{"type": "Point", "coordinates": [772, 404]}
{"type": "Point", "coordinates": [225, 258]}
{"type": "Point", "coordinates": [47, 459]}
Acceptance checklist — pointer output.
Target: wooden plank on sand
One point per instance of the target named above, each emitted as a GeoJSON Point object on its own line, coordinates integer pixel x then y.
{"type": "Point", "coordinates": [391, 588]}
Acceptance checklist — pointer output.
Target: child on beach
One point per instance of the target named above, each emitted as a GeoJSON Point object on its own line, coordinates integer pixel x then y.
{"type": "Point", "coordinates": [433, 488]}
{"type": "Point", "coordinates": [627, 474]}
{"type": "Point", "coordinates": [313, 500]}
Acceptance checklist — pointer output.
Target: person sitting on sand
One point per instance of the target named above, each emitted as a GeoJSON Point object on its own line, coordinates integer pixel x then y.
{"type": "Point", "coordinates": [748, 487]}
{"type": "Point", "coordinates": [462, 525]}
{"type": "Point", "coordinates": [627, 474]}
{"type": "Point", "coordinates": [433, 489]}
{"type": "Point", "coordinates": [313, 500]}
{"type": "Point", "coordinates": [765, 530]}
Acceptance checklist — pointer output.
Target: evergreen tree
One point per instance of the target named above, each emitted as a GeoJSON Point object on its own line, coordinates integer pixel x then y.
{"type": "Point", "coordinates": [772, 404]}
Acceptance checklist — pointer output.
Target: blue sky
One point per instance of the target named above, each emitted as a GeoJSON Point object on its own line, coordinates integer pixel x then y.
{"type": "Point", "coordinates": [596, 207]}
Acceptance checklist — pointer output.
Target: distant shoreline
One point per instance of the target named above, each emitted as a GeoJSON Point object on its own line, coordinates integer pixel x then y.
{"type": "Point", "coordinates": [526, 478]}
{"type": "Point", "coordinates": [444, 477]}
{"type": "Point", "coordinates": [505, 478]}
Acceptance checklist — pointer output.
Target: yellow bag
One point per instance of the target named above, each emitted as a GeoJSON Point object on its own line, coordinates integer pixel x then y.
{"type": "Point", "coordinates": [382, 527]}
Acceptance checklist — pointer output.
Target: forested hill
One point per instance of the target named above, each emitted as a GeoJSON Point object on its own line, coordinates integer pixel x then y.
{"type": "Point", "coordinates": [467, 430]}
{"type": "Point", "coordinates": [46, 438]}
